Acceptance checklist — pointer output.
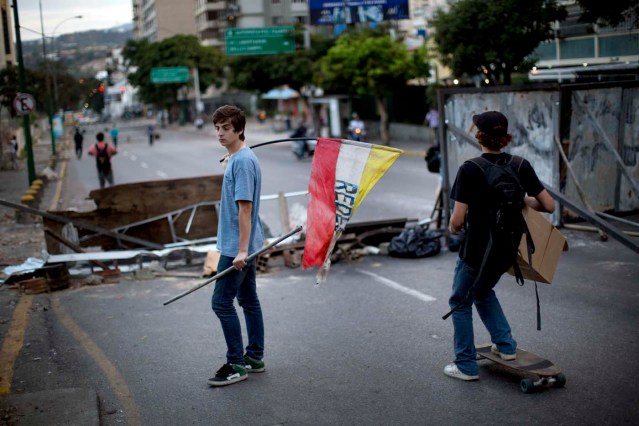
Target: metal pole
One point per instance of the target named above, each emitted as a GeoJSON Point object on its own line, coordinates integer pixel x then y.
{"type": "Point", "coordinates": [46, 66]}
{"type": "Point", "coordinates": [26, 126]}
{"type": "Point", "coordinates": [230, 269]}
{"type": "Point", "coordinates": [56, 49]}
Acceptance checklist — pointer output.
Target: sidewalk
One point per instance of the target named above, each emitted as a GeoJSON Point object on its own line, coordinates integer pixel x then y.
{"type": "Point", "coordinates": [74, 406]}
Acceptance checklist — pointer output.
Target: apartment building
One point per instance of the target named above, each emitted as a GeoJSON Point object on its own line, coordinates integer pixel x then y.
{"type": "Point", "coordinates": [214, 16]}
{"type": "Point", "coordinates": [581, 51]}
{"type": "Point", "coordinates": [7, 45]}
{"type": "Point", "coordinates": [156, 20]}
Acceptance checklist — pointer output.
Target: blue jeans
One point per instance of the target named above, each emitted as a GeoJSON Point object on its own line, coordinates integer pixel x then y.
{"type": "Point", "coordinates": [240, 284]}
{"type": "Point", "coordinates": [489, 311]}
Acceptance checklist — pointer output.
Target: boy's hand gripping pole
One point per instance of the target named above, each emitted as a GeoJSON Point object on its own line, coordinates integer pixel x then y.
{"type": "Point", "coordinates": [230, 269]}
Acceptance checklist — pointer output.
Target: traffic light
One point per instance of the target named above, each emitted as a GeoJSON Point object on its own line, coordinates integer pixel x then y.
{"type": "Point", "coordinates": [101, 88]}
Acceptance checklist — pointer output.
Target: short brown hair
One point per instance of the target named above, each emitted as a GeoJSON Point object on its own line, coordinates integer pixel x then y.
{"type": "Point", "coordinates": [491, 142]}
{"type": "Point", "coordinates": [234, 114]}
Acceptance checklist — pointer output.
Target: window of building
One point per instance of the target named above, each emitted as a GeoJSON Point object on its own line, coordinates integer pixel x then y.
{"type": "Point", "coordinates": [300, 19]}
{"type": "Point", "coordinates": [299, 1]}
{"type": "Point", "coordinates": [277, 20]}
{"type": "Point", "coordinates": [275, 1]}
{"type": "Point", "coordinates": [620, 45]}
{"type": "Point", "coordinates": [579, 48]}
{"type": "Point", "coordinates": [546, 51]}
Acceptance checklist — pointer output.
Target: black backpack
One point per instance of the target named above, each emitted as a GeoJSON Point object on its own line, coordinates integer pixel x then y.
{"type": "Point", "coordinates": [507, 223]}
{"type": "Point", "coordinates": [433, 159]}
{"type": "Point", "coordinates": [102, 158]}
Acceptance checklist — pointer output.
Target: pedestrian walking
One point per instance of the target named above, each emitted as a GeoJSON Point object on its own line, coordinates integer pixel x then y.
{"type": "Point", "coordinates": [78, 139]}
{"type": "Point", "coordinates": [13, 143]}
{"type": "Point", "coordinates": [239, 233]}
{"type": "Point", "coordinates": [114, 135]}
{"type": "Point", "coordinates": [103, 151]}
{"type": "Point", "coordinates": [484, 257]}
{"type": "Point", "coordinates": [150, 131]}
{"type": "Point", "coordinates": [432, 120]}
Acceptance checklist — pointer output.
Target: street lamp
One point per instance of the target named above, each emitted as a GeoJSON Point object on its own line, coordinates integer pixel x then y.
{"type": "Point", "coordinates": [55, 71]}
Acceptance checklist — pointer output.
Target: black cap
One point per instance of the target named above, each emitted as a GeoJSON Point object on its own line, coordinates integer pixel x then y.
{"type": "Point", "coordinates": [493, 123]}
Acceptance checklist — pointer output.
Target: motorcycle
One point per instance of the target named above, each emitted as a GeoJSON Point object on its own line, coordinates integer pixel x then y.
{"type": "Point", "coordinates": [357, 134]}
{"type": "Point", "coordinates": [304, 147]}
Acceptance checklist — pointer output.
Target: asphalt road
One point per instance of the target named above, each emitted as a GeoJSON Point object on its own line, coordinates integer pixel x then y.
{"type": "Point", "coordinates": [367, 347]}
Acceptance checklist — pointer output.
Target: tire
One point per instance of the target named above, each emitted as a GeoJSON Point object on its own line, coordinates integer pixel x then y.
{"type": "Point", "coordinates": [560, 380]}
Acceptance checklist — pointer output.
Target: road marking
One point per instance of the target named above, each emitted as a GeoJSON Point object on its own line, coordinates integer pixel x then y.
{"type": "Point", "coordinates": [58, 189]}
{"type": "Point", "coordinates": [112, 374]}
{"type": "Point", "coordinates": [396, 286]}
{"type": "Point", "coordinates": [162, 174]}
{"type": "Point", "coordinates": [12, 343]}
{"type": "Point", "coordinates": [144, 165]}
{"type": "Point", "coordinates": [133, 157]}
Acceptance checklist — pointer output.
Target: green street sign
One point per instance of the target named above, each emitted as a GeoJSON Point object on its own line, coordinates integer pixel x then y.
{"type": "Point", "coordinates": [169, 75]}
{"type": "Point", "coordinates": [259, 41]}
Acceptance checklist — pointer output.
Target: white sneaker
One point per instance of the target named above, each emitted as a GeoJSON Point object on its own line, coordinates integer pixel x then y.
{"type": "Point", "coordinates": [451, 370]}
{"type": "Point", "coordinates": [505, 357]}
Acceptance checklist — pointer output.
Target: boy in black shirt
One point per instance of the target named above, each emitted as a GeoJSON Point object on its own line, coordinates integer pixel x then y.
{"type": "Point", "coordinates": [471, 192]}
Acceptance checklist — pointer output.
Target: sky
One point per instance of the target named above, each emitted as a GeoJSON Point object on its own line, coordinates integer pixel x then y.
{"type": "Point", "coordinates": [96, 15]}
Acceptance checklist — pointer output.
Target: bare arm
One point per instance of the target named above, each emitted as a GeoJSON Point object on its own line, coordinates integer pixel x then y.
{"type": "Point", "coordinates": [246, 210]}
{"type": "Point", "coordinates": [543, 202]}
{"type": "Point", "coordinates": [458, 217]}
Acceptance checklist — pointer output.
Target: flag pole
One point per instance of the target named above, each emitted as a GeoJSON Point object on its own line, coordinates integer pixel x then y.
{"type": "Point", "coordinates": [230, 269]}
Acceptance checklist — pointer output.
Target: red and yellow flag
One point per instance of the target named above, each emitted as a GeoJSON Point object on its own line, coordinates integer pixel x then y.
{"type": "Point", "coordinates": [343, 173]}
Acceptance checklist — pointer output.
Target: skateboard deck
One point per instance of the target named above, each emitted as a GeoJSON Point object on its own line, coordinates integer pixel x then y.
{"type": "Point", "coordinates": [527, 364]}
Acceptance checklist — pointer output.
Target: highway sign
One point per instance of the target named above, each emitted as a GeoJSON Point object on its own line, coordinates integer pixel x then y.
{"type": "Point", "coordinates": [24, 103]}
{"type": "Point", "coordinates": [169, 75]}
{"type": "Point", "coordinates": [259, 41]}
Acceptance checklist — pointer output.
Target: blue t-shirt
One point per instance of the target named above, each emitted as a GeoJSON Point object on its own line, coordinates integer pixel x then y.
{"type": "Point", "coordinates": [242, 181]}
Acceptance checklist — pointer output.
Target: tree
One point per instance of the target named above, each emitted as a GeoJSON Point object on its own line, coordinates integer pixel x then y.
{"type": "Point", "coordinates": [495, 37]}
{"type": "Point", "coordinates": [369, 62]}
{"type": "Point", "coordinates": [179, 50]}
{"type": "Point", "coordinates": [611, 13]}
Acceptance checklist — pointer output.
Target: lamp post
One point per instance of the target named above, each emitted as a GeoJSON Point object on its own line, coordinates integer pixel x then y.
{"type": "Point", "coordinates": [55, 70]}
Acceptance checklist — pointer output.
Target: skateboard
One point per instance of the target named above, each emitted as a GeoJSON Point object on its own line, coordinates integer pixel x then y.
{"type": "Point", "coordinates": [542, 371]}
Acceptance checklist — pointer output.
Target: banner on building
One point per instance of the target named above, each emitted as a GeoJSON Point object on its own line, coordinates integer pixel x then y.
{"type": "Point", "coordinates": [336, 12]}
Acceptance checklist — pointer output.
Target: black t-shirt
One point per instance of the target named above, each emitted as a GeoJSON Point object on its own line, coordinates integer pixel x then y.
{"type": "Point", "coordinates": [471, 188]}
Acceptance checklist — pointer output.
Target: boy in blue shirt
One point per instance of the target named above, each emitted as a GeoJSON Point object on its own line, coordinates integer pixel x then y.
{"type": "Point", "coordinates": [239, 233]}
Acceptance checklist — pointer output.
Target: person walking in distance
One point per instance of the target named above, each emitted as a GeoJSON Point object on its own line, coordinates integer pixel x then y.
{"type": "Point", "coordinates": [13, 144]}
{"type": "Point", "coordinates": [150, 131]}
{"type": "Point", "coordinates": [488, 251]}
{"type": "Point", "coordinates": [432, 120]}
{"type": "Point", "coordinates": [103, 151]}
{"type": "Point", "coordinates": [78, 139]}
{"type": "Point", "coordinates": [239, 233]}
{"type": "Point", "coordinates": [115, 132]}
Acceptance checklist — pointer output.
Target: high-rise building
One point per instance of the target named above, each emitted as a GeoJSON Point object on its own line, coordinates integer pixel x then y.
{"type": "Point", "coordinates": [214, 16]}
{"type": "Point", "coordinates": [156, 20]}
{"type": "Point", "coordinates": [7, 45]}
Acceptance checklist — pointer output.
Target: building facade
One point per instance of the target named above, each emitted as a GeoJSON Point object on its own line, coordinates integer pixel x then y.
{"type": "Point", "coordinates": [582, 50]}
{"type": "Point", "coordinates": [156, 20]}
{"type": "Point", "coordinates": [7, 44]}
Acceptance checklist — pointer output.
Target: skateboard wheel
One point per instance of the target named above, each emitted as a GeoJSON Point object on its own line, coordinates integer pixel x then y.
{"type": "Point", "coordinates": [560, 380]}
{"type": "Point", "coordinates": [527, 385]}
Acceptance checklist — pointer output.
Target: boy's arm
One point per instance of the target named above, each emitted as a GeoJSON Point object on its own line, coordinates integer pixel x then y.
{"type": "Point", "coordinates": [245, 214]}
{"type": "Point", "coordinates": [458, 217]}
{"type": "Point", "coordinates": [543, 202]}
{"type": "Point", "coordinates": [92, 150]}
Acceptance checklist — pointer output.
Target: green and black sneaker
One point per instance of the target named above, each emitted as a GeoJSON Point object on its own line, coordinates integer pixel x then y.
{"type": "Point", "coordinates": [228, 374]}
{"type": "Point", "coordinates": [253, 365]}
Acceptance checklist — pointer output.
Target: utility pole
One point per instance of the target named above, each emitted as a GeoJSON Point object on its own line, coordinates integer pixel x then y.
{"type": "Point", "coordinates": [46, 65]}
{"type": "Point", "coordinates": [26, 126]}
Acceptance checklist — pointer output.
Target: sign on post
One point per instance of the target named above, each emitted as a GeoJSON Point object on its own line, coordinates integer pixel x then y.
{"type": "Point", "coordinates": [24, 103]}
{"type": "Point", "coordinates": [169, 75]}
{"type": "Point", "coordinates": [259, 41]}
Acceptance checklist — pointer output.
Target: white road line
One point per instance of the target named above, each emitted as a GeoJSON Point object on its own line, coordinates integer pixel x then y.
{"type": "Point", "coordinates": [144, 165]}
{"type": "Point", "coordinates": [395, 286]}
{"type": "Point", "coordinates": [162, 174]}
{"type": "Point", "coordinates": [133, 157]}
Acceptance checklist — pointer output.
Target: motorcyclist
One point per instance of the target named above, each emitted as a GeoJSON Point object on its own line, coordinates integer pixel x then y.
{"type": "Point", "coordinates": [356, 128]}
{"type": "Point", "coordinates": [300, 148]}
